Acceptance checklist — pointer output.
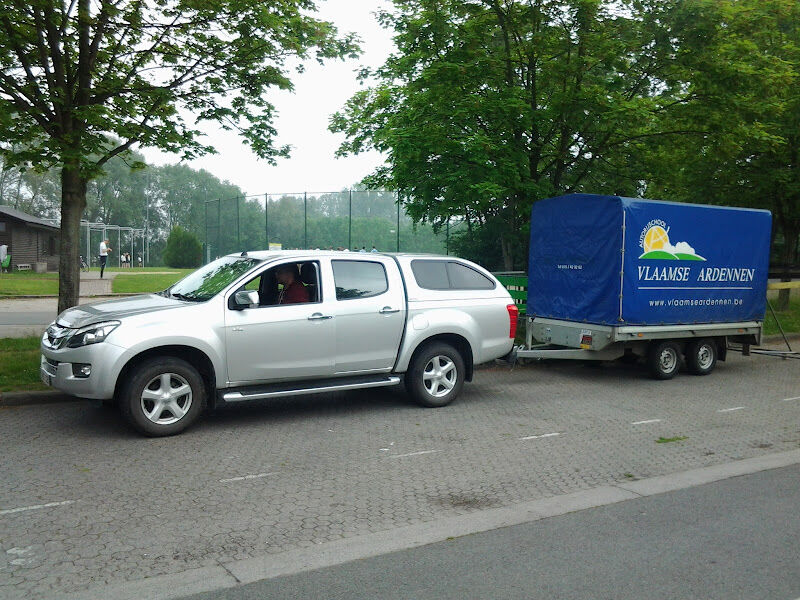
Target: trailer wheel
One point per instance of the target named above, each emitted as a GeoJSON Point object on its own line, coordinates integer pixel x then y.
{"type": "Point", "coordinates": [663, 359]}
{"type": "Point", "coordinates": [701, 356]}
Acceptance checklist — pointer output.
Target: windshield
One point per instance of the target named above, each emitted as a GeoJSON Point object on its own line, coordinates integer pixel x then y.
{"type": "Point", "coordinates": [210, 280]}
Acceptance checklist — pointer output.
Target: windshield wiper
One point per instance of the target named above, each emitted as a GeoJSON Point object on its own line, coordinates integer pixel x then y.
{"type": "Point", "coordinates": [185, 297]}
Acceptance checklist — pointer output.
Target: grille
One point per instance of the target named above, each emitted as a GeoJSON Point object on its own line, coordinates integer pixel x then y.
{"type": "Point", "coordinates": [55, 336]}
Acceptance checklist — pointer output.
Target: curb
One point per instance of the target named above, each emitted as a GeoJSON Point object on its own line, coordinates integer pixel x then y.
{"type": "Point", "coordinates": [233, 574]}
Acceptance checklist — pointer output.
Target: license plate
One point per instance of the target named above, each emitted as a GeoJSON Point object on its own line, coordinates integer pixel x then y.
{"type": "Point", "coordinates": [46, 378]}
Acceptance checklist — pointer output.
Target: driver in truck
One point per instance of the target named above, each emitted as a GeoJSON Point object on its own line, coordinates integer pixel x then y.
{"type": "Point", "coordinates": [293, 292]}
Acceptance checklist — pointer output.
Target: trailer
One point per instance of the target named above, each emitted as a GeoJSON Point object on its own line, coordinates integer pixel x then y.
{"type": "Point", "coordinates": [611, 277]}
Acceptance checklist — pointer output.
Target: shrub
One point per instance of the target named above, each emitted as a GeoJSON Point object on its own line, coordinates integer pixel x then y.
{"type": "Point", "coordinates": [183, 249]}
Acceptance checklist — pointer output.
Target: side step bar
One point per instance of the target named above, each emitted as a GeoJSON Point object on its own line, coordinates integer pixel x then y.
{"type": "Point", "coordinates": [309, 387]}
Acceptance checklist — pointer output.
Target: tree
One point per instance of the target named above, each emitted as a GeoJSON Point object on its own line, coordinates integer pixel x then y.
{"type": "Point", "coordinates": [84, 81]}
{"type": "Point", "coordinates": [740, 60]}
{"type": "Point", "coordinates": [183, 249]}
{"type": "Point", "coordinates": [489, 105]}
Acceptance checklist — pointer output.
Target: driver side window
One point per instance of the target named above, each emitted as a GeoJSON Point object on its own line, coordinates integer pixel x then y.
{"type": "Point", "coordinates": [287, 283]}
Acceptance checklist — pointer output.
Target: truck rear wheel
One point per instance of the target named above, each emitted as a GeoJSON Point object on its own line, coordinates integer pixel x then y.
{"type": "Point", "coordinates": [436, 375]}
{"type": "Point", "coordinates": [701, 356]}
{"type": "Point", "coordinates": [162, 396]}
{"type": "Point", "coordinates": [663, 359]}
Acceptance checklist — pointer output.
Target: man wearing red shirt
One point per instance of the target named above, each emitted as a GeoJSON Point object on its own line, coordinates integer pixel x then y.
{"type": "Point", "coordinates": [293, 292]}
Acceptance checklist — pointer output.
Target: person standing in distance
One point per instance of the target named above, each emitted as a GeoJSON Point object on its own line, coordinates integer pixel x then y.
{"type": "Point", "coordinates": [104, 250]}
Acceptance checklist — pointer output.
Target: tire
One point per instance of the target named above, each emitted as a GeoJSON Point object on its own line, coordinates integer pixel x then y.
{"type": "Point", "coordinates": [701, 356]}
{"type": "Point", "coordinates": [435, 375]}
{"type": "Point", "coordinates": [663, 359]}
{"type": "Point", "coordinates": [156, 411]}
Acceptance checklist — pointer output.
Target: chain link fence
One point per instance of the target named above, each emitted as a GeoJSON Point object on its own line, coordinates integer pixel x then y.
{"type": "Point", "coordinates": [353, 219]}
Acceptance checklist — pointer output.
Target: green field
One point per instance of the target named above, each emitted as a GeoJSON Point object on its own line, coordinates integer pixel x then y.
{"type": "Point", "coordinates": [19, 367]}
{"type": "Point", "coordinates": [789, 319]}
{"type": "Point", "coordinates": [129, 281]}
{"type": "Point", "coordinates": [28, 283]}
{"type": "Point", "coordinates": [143, 284]}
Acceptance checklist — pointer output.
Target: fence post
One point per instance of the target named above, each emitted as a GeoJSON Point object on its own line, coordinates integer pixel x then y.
{"type": "Point", "coordinates": [398, 220]}
{"type": "Point", "coordinates": [305, 220]}
{"type": "Point", "coordinates": [350, 221]}
{"type": "Point", "coordinates": [238, 238]}
{"type": "Point", "coordinates": [447, 239]}
{"type": "Point", "coordinates": [266, 221]}
{"type": "Point", "coordinates": [219, 218]}
{"type": "Point", "coordinates": [205, 237]}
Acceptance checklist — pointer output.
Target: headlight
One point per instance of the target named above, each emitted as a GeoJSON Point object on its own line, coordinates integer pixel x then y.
{"type": "Point", "coordinates": [92, 334]}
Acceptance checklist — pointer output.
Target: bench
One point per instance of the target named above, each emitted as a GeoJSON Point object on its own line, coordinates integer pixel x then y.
{"type": "Point", "coordinates": [23, 267]}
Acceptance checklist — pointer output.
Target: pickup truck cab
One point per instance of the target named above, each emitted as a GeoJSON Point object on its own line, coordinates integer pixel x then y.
{"type": "Point", "coordinates": [226, 334]}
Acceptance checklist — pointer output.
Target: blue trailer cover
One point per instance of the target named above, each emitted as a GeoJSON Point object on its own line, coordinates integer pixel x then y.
{"type": "Point", "coordinates": [623, 261]}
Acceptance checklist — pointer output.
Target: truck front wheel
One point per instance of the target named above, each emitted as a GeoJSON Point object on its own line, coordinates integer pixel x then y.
{"type": "Point", "coordinates": [162, 396]}
{"type": "Point", "coordinates": [435, 375]}
{"type": "Point", "coordinates": [701, 356]}
{"type": "Point", "coordinates": [663, 359]}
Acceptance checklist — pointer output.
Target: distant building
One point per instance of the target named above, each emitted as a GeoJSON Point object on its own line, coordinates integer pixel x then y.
{"type": "Point", "coordinates": [29, 239]}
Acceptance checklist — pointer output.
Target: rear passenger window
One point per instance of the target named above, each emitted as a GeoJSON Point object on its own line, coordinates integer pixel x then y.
{"type": "Point", "coordinates": [358, 279]}
{"type": "Point", "coordinates": [448, 275]}
{"type": "Point", "coordinates": [463, 277]}
{"type": "Point", "coordinates": [431, 274]}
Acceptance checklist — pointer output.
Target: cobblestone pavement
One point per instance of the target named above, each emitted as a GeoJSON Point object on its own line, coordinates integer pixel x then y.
{"type": "Point", "coordinates": [85, 502]}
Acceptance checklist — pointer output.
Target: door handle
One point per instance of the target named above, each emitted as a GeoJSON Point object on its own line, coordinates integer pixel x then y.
{"type": "Point", "coordinates": [387, 310]}
{"type": "Point", "coordinates": [319, 317]}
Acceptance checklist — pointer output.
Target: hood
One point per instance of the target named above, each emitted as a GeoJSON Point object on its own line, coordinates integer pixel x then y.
{"type": "Point", "coordinates": [86, 314]}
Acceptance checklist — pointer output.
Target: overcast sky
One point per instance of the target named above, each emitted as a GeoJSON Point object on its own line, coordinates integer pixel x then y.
{"type": "Point", "coordinates": [302, 118]}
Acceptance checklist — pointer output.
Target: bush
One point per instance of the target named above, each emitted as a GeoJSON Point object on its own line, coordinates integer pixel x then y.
{"type": "Point", "coordinates": [183, 249]}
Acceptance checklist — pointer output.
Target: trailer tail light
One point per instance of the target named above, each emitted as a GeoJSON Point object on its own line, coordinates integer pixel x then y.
{"type": "Point", "coordinates": [513, 317]}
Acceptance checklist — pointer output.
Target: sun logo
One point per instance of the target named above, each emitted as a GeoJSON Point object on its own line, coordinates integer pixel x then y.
{"type": "Point", "coordinates": [655, 238]}
{"type": "Point", "coordinates": [656, 245]}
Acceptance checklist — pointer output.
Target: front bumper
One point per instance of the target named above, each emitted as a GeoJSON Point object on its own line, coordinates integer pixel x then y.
{"type": "Point", "coordinates": [56, 369]}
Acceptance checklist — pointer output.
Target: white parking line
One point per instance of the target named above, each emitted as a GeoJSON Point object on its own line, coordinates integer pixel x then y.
{"type": "Point", "coordinates": [731, 409]}
{"type": "Point", "coordinates": [538, 437]}
{"type": "Point", "coordinates": [645, 422]}
{"type": "Point", "coordinates": [411, 454]}
{"type": "Point", "coordinates": [789, 400]}
{"type": "Point", "coordinates": [245, 477]}
{"type": "Point", "coordinates": [9, 511]}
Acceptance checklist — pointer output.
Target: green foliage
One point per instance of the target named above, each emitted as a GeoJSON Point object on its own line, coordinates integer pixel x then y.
{"type": "Point", "coordinates": [487, 106]}
{"type": "Point", "coordinates": [740, 64]}
{"type": "Point", "coordinates": [76, 73]}
{"type": "Point", "coordinates": [183, 249]}
{"type": "Point", "coordinates": [84, 81]}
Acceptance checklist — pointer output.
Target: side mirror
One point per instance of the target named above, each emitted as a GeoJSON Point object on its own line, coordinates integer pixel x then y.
{"type": "Point", "coordinates": [245, 299]}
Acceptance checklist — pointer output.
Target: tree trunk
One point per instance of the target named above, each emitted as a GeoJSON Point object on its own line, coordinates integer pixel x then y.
{"type": "Point", "coordinates": [73, 202]}
{"type": "Point", "coordinates": [508, 252]}
{"type": "Point", "coordinates": [790, 236]}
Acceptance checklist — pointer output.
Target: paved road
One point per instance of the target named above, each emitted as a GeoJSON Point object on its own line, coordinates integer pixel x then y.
{"type": "Point", "coordinates": [734, 539]}
{"type": "Point", "coordinates": [29, 316]}
{"type": "Point", "coordinates": [85, 502]}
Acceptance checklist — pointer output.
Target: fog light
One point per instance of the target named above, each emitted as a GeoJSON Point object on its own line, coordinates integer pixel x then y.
{"type": "Point", "coordinates": [81, 369]}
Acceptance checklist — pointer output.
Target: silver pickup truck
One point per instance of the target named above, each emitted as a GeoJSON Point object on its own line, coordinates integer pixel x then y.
{"type": "Point", "coordinates": [226, 333]}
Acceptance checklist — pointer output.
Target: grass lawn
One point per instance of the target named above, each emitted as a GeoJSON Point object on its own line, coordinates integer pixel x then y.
{"type": "Point", "coordinates": [143, 284]}
{"type": "Point", "coordinates": [790, 319]}
{"type": "Point", "coordinates": [19, 367]}
{"type": "Point", "coordinates": [110, 269]}
{"type": "Point", "coordinates": [28, 283]}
